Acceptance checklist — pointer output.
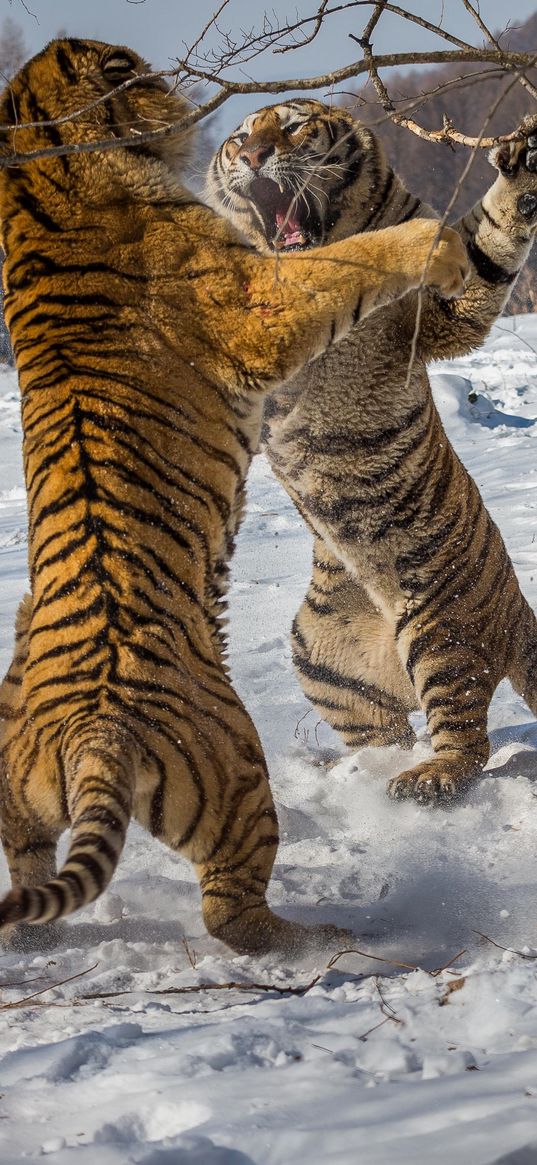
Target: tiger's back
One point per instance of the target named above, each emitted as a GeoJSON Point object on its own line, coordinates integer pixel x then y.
{"type": "Point", "coordinates": [413, 600]}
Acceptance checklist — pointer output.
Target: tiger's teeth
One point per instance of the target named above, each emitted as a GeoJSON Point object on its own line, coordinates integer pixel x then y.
{"type": "Point", "coordinates": [281, 187]}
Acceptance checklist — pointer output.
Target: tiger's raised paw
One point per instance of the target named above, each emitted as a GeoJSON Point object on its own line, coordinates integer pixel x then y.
{"type": "Point", "coordinates": [517, 162]}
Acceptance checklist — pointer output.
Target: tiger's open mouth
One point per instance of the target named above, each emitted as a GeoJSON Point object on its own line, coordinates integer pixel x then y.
{"type": "Point", "coordinates": [291, 223]}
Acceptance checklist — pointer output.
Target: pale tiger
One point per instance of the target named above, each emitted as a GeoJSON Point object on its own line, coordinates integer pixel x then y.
{"type": "Point", "coordinates": [413, 601]}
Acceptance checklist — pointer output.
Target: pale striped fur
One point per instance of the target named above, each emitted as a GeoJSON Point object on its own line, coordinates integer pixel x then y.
{"type": "Point", "coordinates": [413, 601]}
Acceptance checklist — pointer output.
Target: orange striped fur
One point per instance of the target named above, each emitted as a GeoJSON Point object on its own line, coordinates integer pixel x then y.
{"type": "Point", "coordinates": [146, 335]}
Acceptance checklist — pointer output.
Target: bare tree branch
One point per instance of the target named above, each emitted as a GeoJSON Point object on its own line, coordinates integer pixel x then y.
{"type": "Point", "coordinates": [415, 19]}
{"type": "Point", "coordinates": [471, 8]}
{"type": "Point", "coordinates": [318, 23]}
{"type": "Point", "coordinates": [448, 133]}
{"type": "Point", "coordinates": [187, 74]}
{"type": "Point", "coordinates": [272, 33]}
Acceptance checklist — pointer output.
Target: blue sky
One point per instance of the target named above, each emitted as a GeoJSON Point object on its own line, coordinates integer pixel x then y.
{"type": "Point", "coordinates": [160, 29]}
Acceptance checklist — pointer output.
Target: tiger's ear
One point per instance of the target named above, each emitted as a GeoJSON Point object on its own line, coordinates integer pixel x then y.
{"type": "Point", "coordinates": [120, 64]}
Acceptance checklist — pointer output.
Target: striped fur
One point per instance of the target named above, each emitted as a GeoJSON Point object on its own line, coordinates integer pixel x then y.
{"type": "Point", "coordinates": [413, 600]}
{"type": "Point", "coordinates": [146, 334]}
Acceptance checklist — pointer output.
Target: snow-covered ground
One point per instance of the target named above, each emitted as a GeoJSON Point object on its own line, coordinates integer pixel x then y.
{"type": "Point", "coordinates": [152, 1054]}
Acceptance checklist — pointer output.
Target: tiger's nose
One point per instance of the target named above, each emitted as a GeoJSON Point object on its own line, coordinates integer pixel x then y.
{"type": "Point", "coordinates": [254, 156]}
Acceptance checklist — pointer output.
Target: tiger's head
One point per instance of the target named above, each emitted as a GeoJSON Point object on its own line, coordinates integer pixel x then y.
{"type": "Point", "coordinates": [296, 174]}
{"type": "Point", "coordinates": [83, 91]}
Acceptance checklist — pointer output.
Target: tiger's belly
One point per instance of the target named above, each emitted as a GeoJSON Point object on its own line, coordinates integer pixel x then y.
{"type": "Point", "coordinates": [346, 456]}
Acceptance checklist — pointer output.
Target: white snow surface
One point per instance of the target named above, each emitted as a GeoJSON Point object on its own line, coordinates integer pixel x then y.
{"type": "Point", "coordinates": [151, 1055]}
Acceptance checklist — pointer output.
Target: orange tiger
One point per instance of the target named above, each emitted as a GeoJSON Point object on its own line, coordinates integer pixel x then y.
{"type": "Point", "coordinates": [146, 333]}
{"type": "Point", "coordinates": [413, 601]}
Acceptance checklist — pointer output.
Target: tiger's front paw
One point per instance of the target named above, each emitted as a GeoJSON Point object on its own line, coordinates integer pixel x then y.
{"type": "Point", "coordinates": [449, 267]}
{"type": "Point", "coordinates": [446, 261]}
{"type": "Point", "coordinates": [441, 780]}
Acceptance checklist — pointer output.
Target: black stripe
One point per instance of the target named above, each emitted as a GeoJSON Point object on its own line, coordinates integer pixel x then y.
{"type": "Point", "coordinates": [97, 844]}
{"type": "Point", "coordinates": [322, 674]}
{"type": "Point", "coordinates": [91, 866]}
{"type": "Point", "coordinates": [486, 268]}
{"type": "Point", "coordinates": [491, 220]}
{"type": "Point", "coordinates": [383, 198]}
{"type": "Point", "coordinates": [415, 204]}
{"type": "Point", "coordinates": [29, 203]}
{"type": "Point", "coordinates": [64, 62]}
{"type": "Point", "coordinates": [319, 608]}
{"type": "Point", "coordinates": [34, 847]}
{"type": "Point", "coordinates": [60, 894]}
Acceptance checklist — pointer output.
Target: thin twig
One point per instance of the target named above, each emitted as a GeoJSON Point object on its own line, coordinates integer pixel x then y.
{"type": "Point", "coordinates": [20, 982]}
{"type": "Point", "coordinates": [366, 955]}
{"type": "Point", "coordinates": [369, 1031]}
{"type": "Point", "coordinates": [385, 1007]}
{"type": "Point", "coordinates": [510, 950]}
{"type": "Point", "coordinates": [28, 10]}
{"type": "Point", "coordinates": [446, 966]}
{"type": "Point", "coordinates": [414, 19]}
{"type": "Point", "coordinates": [492, 40]}
{"type": "Point", "coordinates": [195, 988]}
{"type": "Point", "coordinates": [190, 953]}
{"type": "Point", "coordinates": [318, 19]}
{"type": "Point", "coordinates": [204, 31]}
{"type": "Point", "coordinates": [59, 983]}
{"type": "Point", "coordinates": [257, 43]}
{"type": "Point", "coordinates": [522, 339]}
{"type": "Point", "coordinates": [393, 962]}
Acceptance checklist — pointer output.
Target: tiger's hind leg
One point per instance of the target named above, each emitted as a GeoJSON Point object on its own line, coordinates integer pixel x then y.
{"type": "Point", "coordinates": [454, 680]}
{"type": "Point", "coordinates": [345, 655]}
{"type": "Point", "coordinates": [28, 844]}
{"type": "Point", "coordinates": [30, 850]}
{"type": "Point", "coordinates": [213, 804]}
{"type": "Point", "coordinates": [234, 879]}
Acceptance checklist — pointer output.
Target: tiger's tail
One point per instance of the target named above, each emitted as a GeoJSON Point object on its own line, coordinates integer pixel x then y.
{"type": "Point", "coordinates": [100, 790]}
